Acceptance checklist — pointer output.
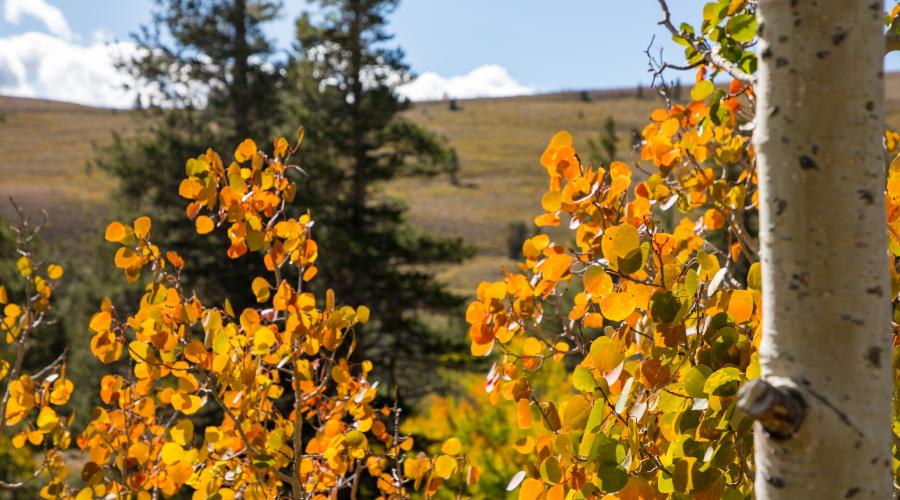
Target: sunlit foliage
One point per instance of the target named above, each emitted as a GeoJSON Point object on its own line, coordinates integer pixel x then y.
{"type": "Point", "coordinates": [294, 408]}
{"type": "Point", "coordinates": [291, 408]}
{"type": "Point", "coordinates": [33, 417]}
{"type": "Point", "coordinates": [665, 322]}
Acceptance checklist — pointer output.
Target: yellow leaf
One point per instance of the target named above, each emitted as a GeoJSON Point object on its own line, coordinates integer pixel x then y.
{"type": "Point", "coordinates": [18, 440]}
{"type": "Point", "coordinates": [100, 322]}
{"type": "Point", "coordinates": [561, 139]}
{"type": "Point", "coordinates": [556, 266]}
{"type": "Point", "coordinates": [205, 225]}
{"type": "Point", "coordinates": [263, 340]}
{"type": "Point", "coordinates": [709, 265]}
{"type": "Point", "coordinates": [451, 446]}
{"type": "Point", "coordinates": [444, 466]}
{"type": "Point", "coordinates": [139, 451]}
{"type": "Point", "coordinates": [186, 403]}
{"type": "Point", "coordinates": [115, 232]}
{"type": "Point", "coordinates": [171, 453]}
{"type": "Point", "coordinates": [619, 241]}
{"type": "Point", "coordinates": [35, 437]}
{"type": "Point", "coordinates": [183, 432]}
{"type": "Point", "coordinates": [261, 289]}
{"type": "Point", "coordinates": [362, 314]}
{"type": "Point", "coordinates": [142, 227]}
{"type": "Point", "coordinates": [576, 413]}
{"type": "Point", "coordinates": [245, 151]}
{"type": "Point", "coordinates": [54, 271]}
{"type": "Point", "coordinates": [281, 146]}
{"type": "Point", "coordinates": [496, 290]}
{"type": "Point", "coordinates": [532, 347]}
{"type": "Point", "coordinates": [669, 127]}
{"type": "Point", "coordinates": [702, 90]}
{"type": "Point", "coordinates": [300, 134]}
{"type": "Point", "coordinates": [606, 354]}
{"type": "Point", "coordinates": [139, 350]}
{"type": "Point", "coordinates": [62, 390]}
{"type": "Point", "coordinates": [24, 266]}
{"type": "Point", "coordinates": [47, 419]}
{"type": "Point", "coordinates": [597, 282]}
{"type": "Point", "coordinates": [617, 306]}
{"type": "Point", "coordinates": [552, 201]}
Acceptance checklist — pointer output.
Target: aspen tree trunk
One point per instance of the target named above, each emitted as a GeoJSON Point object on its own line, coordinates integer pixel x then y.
{"type": "Point", "coordinates": [826, 289]}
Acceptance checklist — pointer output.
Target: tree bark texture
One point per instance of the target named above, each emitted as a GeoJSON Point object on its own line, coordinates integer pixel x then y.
{"type": "Point", "coordinates": [826, 286]}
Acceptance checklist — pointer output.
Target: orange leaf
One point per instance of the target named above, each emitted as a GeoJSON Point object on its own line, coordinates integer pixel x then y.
{"type": "Point", "coordinates": [205, 225]}
{"type": "Point", "coordinates": [740, 305]}
{"type": "Point", "coordinates": [115, 232]}
{"type": "Point", "coordinates": [245, 151]}
{"type": "Point", "coordinates": [142, 227]}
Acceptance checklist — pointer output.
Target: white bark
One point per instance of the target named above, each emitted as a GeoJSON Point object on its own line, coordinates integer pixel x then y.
{"type": "Point", "coordinates": [826, 289]}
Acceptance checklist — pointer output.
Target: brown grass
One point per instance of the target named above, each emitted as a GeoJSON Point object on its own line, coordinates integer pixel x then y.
{"type": "Point", "coordinates": [46, 146]}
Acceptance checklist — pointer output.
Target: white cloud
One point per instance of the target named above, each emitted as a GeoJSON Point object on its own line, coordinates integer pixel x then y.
{"type": "Point", "coordinates": [40, 65]}
{"type": "Point", "coordinates": [51, 16]}
{"type": "Point", "coordinates": [485, 81]}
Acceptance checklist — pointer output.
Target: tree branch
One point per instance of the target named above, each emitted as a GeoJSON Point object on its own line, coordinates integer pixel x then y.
{"type": "Point", "coordinates": [710, 55]}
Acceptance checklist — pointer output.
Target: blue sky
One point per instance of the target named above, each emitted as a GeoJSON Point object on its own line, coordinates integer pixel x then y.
{"type": "Point", "coordinates": [521, 45]}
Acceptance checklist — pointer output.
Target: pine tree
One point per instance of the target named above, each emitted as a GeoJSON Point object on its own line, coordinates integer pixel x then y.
{"type": "Point", "coordinates": [208, 65]}
{"type": "Point", "coordinates": [344, 76]}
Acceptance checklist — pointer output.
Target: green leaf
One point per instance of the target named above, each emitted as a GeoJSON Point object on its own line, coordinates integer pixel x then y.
{"type": "Point", "coordinates": [742, 28]}
{"type": "Point", "coordinates": [551, 472]}
{"type": "Point", "coordinates": [754, 277]}
{"type": "Point", "coordinates": [583, 379]}
{"type": "Point", "coordinates": [664, 307]}
{"type": "Point", "coordinates": [695, 380]}
{"type": "Point", "coordinates": [263, 461]}
{"type": "Point", "coordinates": [591, 430]}
{"type": "Point", "coordinates": [612, 477]}
{"type": "Point", "coordinates": [724, 382]}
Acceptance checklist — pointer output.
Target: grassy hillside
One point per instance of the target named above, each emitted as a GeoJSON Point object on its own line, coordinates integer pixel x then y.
{"type": "Point", "coordinates": [47, 145]}
{"type": "Point", "coordinates": [46, 148]}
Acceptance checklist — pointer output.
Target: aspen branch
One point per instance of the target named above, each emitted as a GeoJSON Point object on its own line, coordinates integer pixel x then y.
{"type": "Point", "coordinates": [280, 475]}
{"type": "Point", "coordinates": [710, 54]}
{"type": "Point", "coordinates": [779, 410]}
{"type": "Point", "coordinates": [14, 486]}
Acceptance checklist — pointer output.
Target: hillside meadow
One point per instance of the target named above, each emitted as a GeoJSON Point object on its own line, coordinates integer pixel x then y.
{"type": "Point", "coordinates": [48, 146]}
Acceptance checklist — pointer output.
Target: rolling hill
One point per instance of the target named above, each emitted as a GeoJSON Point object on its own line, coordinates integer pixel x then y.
{"type": "Point", "coordinates": [47, 146]}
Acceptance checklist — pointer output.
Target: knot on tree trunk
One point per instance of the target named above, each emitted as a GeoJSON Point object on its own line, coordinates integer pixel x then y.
{"type": "Point", "coordinates": [780, 410]}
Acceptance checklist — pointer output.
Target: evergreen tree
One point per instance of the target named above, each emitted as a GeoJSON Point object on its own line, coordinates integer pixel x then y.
{"type": "Point", "coordinates": [343, 88]}
{"type": "Point", "coordinates": [605, 148]}
{"type": "Point", "coordinates": [207, 65]}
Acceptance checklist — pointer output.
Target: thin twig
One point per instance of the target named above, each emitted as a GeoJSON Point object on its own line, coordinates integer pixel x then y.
{"type": "Point", "coordinates": [710, 55]}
